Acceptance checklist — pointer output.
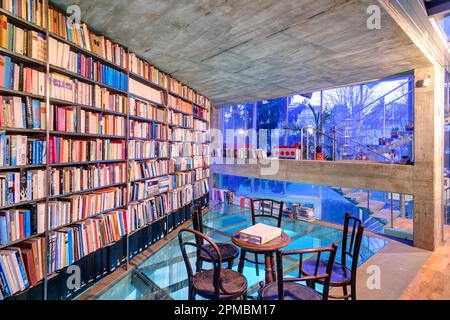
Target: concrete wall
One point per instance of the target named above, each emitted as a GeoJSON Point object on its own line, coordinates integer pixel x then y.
{"type": "Point", "coordinates": [423, 180]}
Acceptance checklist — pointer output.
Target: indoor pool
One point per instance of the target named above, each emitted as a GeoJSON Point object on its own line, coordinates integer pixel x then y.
{"type": "Point", "coordinates": [163, 275]}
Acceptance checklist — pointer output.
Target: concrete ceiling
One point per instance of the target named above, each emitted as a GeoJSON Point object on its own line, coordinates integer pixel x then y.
{"type": "Point", "coordinates": [237, 51]}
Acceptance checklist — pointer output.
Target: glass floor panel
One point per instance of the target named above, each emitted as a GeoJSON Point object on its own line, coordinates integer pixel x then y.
{"type": "Point", "coordinates": [163, 275]}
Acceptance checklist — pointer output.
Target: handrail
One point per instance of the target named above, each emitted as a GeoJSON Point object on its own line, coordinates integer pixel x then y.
{"type": "Point", "coordinates": [383, 96]}
{"type": "Point", "coordinates": [387, 104]}
{"type": "Point", "coordinates": [362, 145]}
{"type": "Point", "coordinates": [333, 138]}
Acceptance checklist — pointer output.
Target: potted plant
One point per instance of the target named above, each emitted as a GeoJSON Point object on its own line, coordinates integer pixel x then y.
{"type": "Point", "coordinates": [319, 155]}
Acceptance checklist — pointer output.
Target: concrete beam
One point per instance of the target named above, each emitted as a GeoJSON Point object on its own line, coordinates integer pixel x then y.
{"type": "Point", "coordinates": [358, 175]}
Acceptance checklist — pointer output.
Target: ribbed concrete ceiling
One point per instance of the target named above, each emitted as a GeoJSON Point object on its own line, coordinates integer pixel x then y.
{"type": "Point", "coordinates": [237, 51]}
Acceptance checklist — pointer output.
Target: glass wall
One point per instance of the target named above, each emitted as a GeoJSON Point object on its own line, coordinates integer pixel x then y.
{"type": "Point", "coordinates": [447, 157]}
{"type": "Point", "coordinates": [382, 212]}
{"type": "Point", "coordinates": [372, 121]}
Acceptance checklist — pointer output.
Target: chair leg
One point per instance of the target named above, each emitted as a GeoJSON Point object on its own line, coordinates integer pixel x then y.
{"type": "Point", "coordinates": [257, 264]}
{"type": "Point", "coordinates": [191, 293]}
{"type": "Point", "coordinates": [230, 264]}
{"type": "Point", "coordinates": [353, 291]}
{"type": "Point", "coordinates": [242, 261]}
{"type": "Point", "coordinates": [244, 296]}
{"type": "Point", "coordinates": [344, 289]}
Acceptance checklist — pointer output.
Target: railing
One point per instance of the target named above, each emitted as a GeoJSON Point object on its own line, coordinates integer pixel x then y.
{"type": "Point", "coordinates": [349, 128]}
{"type": "Point", "coordinates": [307, 132]}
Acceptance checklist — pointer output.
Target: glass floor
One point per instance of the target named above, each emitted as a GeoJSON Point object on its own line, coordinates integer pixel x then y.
{"type": "Point", "coordinates": [163, 275]}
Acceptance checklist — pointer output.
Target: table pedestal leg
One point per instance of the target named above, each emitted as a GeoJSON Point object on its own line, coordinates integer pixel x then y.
{"type": "Point", "coordinates": [272, 266]}
{"type": "Point", "coordinates": [269, 275]}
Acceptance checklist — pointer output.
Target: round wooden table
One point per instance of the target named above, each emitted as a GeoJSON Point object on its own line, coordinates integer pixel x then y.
{"type": "Point", "coordinates": [268, 249]}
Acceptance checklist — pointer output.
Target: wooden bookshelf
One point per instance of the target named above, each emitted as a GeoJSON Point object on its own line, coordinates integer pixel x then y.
{"type": "Point", "coordinates": [170, 219]}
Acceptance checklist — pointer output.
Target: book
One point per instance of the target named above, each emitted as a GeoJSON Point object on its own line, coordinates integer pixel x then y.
{"type": "Point", "coordinates": [260, 234]}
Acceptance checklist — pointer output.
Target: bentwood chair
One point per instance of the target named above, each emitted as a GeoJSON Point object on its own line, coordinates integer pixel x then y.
{"type": "Point", "coordinates": [290, 288]}
{"type": "Point", "coordinates": [262, 208]}
{"type": "Point", "coordinates": [214, 284]}
{"type": "Point", "coordinates": [342, 275]}
{"type": "Point", "coordinates": [228, 252]}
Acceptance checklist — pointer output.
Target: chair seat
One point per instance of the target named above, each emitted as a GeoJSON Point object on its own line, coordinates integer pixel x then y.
{"type": "Point", "coordinates": [292, 291]}
{"type": "Point", "coordinates": [339, 276]}
{"type": "Point", "coordinates": [232, 281]}
{"type": "Point", "coordinates": [228, 252]}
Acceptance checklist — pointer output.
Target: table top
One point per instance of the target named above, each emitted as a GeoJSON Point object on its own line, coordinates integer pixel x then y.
{"type": "Point", "coordinates": [274, 245]}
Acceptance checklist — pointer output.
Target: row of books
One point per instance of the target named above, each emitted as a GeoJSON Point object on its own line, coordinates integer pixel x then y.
{"type": "Point", "coordinates": [70, 244]}
{"type": "Point", "coordinates": [146, 92]}
{"type": "Point", "coordinates": [71, 90]}
{"type": "Point", "coordinates": [180, 197]}
{"type": "Point", "coordinates": [79, 207]}
{"type": "Point", "coordinates": [22, 113]}
{"type": "Point", "coordinates": [180, 164]}
{"type": "Point", "coordinates": [200, 174]}
{"type": "Point", "coordinates": [30, 10]}
{"type": "Point", "coordinates": [148, 169]}
{"type": "Point", "coordinates": [16, 150]}
{"type": "Point", "coordinates": [73, 119]}
{"type": "Point", "coordinates": [200, 150]}
{"type": "Point", "coordinates": [200, 162]}
{"type": "Point", "coordinates": [222, 195]}
{"type": "Point", "coordinates": [200, 125]}
{"type": "Point", "coordinates": [106, 100]}
{"type": "Point", "coordinates": [16, 187]}
{"type": "Point", "coordinates": [175, 86]}
{"type": "Point", "coordinates": [179, 104]}
{"type": "Point", "coordinates": [200, 188]}
{"type": "Point", "coordinates": [13, 275]}
{"type": "Point", "coordinates": [201, 113]}
{"type": "Point", "coordinates": [180, 134]}
{"type": "Point", "coordinates": [21, 41]}
{"type": "Point", "coordinates": [16, 77]}
{"type": "Point", "coordinates": [146, 110]}
{"type": "Point", "coordinates": [64, 150]}
{"type": "Point", "coordinates": [146, 189]}
{"type": "Point", "coordinates": [84, 38]}
{"type": "Point", "coordinates": [148, 130]}
{"type": "Point", "coordinates": [145, 70]}
{"type": "Point", "coordinates": [62, 56]}
{"type": "Point", "coordinates": [148, 211]}
{"type": "Point", "coordinates": [21, 223]}
{"type": "Point", "coordinates": [74, 179]}
{"type": "Point", "coordinates": [180, 179]}
{"type": "Point", "coordinates": [22, 266]}
{"type": "Point", "coordinates": [180, 150]}
{"type": "Point", "coordinates": [110, 76]}
{"type": "Point", "coordinates": [180, 119]}
{"type": "Point", "coordinates": [200, 137]}
{"type": "Point", "coordinates": [147, 149]}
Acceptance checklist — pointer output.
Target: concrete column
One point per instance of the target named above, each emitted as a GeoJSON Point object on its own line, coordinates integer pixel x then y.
{"type": "Point", "coordinates": [428, 168]}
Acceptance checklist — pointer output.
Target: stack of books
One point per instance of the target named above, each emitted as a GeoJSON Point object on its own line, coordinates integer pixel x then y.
{"type": "Point", "coordinates": [260, 234]}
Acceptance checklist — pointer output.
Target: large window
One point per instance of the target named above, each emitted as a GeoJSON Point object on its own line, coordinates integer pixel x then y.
{"type": "Point", "coordinates": [372, 121]}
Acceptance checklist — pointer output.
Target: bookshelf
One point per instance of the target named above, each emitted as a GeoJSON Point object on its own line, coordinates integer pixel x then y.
{"type": "Point", "coordinates": [64, 176]}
